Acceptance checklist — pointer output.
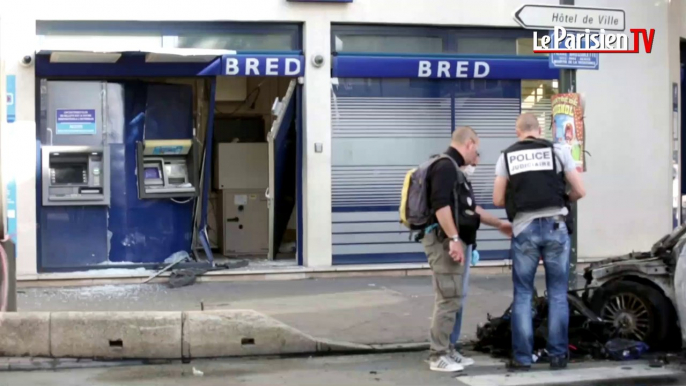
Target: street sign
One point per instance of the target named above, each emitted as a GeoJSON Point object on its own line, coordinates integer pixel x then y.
{"type": "Point", "coordinates": [533, 16]}
{"type": "Point", "coordinates": [573, 60]}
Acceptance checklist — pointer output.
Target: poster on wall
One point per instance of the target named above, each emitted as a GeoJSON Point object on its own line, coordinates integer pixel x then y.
{"type": "Point", "coordinates": [8, 172]}
{"type": "Point", "coordinates": [568, 125]}
{"type": "Point", "coordinates": [76, 122]}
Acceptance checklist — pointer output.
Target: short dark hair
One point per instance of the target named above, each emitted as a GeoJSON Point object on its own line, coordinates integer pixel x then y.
{"type": "Point", "coordinates": [464, 134]}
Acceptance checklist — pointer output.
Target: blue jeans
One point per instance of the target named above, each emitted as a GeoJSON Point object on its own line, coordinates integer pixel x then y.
{"type": "Point", "coordinates": [455, 336]}
{"type": "Point", "coordinates": [547, 238]}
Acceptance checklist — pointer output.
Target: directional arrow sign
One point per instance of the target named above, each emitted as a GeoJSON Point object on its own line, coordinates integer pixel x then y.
{"type": "Point", "coordinates": [534, 16]}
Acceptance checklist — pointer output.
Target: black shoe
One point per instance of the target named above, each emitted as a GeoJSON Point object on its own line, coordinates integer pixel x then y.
{"type": "Point", "coordinates": [513, 365]}
{"type": "Point", "coordinates": [558, 363]}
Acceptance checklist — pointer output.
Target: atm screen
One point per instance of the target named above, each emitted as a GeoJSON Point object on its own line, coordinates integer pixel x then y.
{"type": "Point", "coordinates": [152, 173]}
{"type": "Point", "coordinates": [69, 174]}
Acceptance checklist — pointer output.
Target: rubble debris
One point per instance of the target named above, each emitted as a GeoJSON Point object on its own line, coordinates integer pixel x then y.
{"type": "Point", "coordinates": [588, 333]}
{"type": "Point", "coordinates": [625, 349]}
{"type": "Point", "coordinates": [188, 276]}
{"type": "Point", "coordinates": [174, 259]}
{"type": "Point", "coordinates": [657, 363]}
{"type": "Point", "coordinates": [184, 277]}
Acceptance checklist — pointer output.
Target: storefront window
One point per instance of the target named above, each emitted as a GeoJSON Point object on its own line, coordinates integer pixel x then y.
{"type": "Point", "coordinates": [149, 35]}
{"type": "Point", "coordinates": [245, 42]}
{"type": "Point", "coordinates": [486, 46]}
{"type": "Point", "coordinates": [525, 46]}
{"type": "Point", "coordinates": [98, 42]}
{"type": "Point", "coordinates": [430, 40]}
{"type": "Point", "coordinates": [389, 44]}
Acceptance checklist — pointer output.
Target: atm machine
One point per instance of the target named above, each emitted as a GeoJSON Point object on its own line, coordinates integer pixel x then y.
{"type": "Point", "coordinates": [75, 157]}
{"type": "Point", "coordinates": [75, 175]}
{"type": "Point", "coordinates": [168, 168]}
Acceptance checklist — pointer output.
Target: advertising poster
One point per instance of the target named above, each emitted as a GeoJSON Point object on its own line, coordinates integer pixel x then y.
{"type": "Point", "coordinates": [568, 125]}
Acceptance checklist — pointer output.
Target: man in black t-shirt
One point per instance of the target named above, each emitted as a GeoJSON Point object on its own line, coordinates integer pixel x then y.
{"type": "Point", "coordinates": [448, 247]}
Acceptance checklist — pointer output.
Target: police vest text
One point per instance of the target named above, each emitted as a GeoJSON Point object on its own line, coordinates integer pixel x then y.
{"type": "Point", "coordinates": [530, 161]}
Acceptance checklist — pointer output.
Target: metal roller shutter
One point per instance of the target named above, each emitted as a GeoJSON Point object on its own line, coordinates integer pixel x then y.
{"type": "Point", "coordinates": [384, 127]}
{"type": "Point", "coordinates": [378, 136]}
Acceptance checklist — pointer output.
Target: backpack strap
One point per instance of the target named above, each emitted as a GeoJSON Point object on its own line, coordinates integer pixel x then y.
{"type": "Point", "coordinates": [459, 181]}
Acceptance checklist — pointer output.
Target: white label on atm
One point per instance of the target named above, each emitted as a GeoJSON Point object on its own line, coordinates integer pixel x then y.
{"type": "Point", "coordinates": [240, 199]}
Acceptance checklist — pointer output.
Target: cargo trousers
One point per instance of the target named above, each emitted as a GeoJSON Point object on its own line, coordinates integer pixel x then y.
{"type": "Point", "coordinates": [447, 278]}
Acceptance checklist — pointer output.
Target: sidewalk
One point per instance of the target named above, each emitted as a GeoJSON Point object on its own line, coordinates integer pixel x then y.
{"type": "Point", "coordinates": [372, 310]}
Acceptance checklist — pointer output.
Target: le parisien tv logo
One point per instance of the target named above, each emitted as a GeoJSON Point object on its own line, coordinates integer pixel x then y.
{"type": "Point", "coordinates": [596, 42]}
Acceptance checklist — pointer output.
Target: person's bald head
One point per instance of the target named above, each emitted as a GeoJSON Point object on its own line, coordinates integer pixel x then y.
{"type": "Point", "coordinates": [527, 126]}
{"type": "Point", "coordinates": [463, 135]}
{"type": "Point", "coordinates": [466, 142]}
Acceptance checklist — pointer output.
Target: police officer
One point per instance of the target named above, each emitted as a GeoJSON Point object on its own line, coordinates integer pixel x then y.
{"type": "Point", "coordinates": [447, 245]}
{"type": "Point", "coordinates": [488, 219]}
{"type": "Point", "coordinates": [531, 179]}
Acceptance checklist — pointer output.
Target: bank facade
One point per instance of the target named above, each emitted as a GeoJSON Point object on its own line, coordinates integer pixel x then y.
{"type": "Point", "coordinates": [283, 131]}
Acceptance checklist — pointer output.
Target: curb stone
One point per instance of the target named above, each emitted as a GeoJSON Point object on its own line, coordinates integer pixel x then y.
{"type": "Point", "coordinates": [157, 335]}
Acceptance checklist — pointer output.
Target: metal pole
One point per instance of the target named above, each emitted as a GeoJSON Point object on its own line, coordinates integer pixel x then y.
{"type": "Point", "coordinates": [568, 85]}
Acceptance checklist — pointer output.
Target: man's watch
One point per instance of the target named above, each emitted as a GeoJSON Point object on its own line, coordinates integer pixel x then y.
{"type": "Point", "coordinates": [455, 238]}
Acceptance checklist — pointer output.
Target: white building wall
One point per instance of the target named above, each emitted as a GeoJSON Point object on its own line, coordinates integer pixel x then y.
{"type": "Point", "coordinates": [628, 116]}
{"type": "Point", "coordinates": [17, 34]}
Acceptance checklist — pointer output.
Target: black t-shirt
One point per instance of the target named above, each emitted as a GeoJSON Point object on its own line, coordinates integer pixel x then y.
{"type": "Point", "coordinates": [441, 179]}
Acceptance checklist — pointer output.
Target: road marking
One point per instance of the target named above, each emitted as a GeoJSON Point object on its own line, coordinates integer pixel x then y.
{"type": "Point", "coordinates": [533, 378]}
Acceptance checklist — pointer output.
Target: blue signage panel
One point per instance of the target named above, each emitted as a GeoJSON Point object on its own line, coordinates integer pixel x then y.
{"type": "Point", "coordinates": [441, 68]}
{"type": "Point", "coordinates": [11, 99]}
{"type": "Point", "coordinates": [76, 122]}
{"type": "Point", "coordinates": [166, 150]}
{"type": "Point", "coordinates": [578, 60]}
{"type": "Point", "coordinates": [263, 65]}
{"type": "Point", "coordinates": [12, 209]}
{"type": "Point", "coordinates": [11, 183]}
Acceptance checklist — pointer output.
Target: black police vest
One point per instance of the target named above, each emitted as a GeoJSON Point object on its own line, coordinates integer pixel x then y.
{"type": "Point", "coordinates": [534, 181]}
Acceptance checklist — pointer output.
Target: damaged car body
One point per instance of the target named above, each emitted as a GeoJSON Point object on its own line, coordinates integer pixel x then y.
{"type": "Point", "coordinates": [637, 293]}
{"type": "Point", "coordinates": [638, 297]}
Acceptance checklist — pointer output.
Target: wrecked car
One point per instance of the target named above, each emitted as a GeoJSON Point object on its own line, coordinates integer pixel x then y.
{"type": "Point", "coordinates": [639, 297]}
{"type": "Point", "coordinates": [643, 295]}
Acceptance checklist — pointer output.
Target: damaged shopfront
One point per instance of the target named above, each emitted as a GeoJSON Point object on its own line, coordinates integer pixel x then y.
{"type": "Point", "coordinates": [166, 143]}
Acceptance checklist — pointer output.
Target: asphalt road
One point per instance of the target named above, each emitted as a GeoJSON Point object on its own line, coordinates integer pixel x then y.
{"type": "Point", "coordinates": [384, 369]}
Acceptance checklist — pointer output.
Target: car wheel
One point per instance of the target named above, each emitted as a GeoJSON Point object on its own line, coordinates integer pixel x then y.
{"type": "Point", "coordinates": [636, 311]}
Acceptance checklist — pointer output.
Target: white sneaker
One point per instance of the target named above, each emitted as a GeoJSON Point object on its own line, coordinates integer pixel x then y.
{"type": "Point", "coordinates": [460, 359]}
{"type": "Point", "coordinates": [445, 364]}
